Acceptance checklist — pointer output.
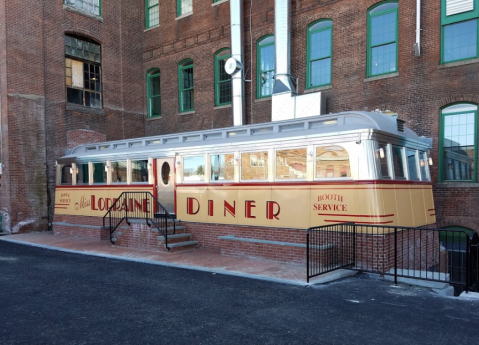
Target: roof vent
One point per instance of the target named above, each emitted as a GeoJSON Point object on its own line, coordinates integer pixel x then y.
{"type": "Point", "coordinates": [400, 124]}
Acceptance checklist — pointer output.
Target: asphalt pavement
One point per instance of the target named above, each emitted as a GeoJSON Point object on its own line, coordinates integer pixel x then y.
{"type": "Point", "coordinates": [53, 297]}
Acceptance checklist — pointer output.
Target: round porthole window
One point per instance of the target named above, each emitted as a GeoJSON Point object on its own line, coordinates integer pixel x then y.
{"type": "Point", "coordinates": [165, 173]}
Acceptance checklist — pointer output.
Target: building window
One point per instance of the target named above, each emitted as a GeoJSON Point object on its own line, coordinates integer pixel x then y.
{"type": "Point", "coordinates": [90, 6]}
{"type": "Point", "coordinates": [222, 79]}
{"type": "Point", "coordinates": [458, 143]}
{"type": "Point", "coordinates": [152, 13]}
{"type": "Point", "coordinates": [184, 7]}
{"type": "Point", "coordinates": [319, 53]}
{"type": "Point", "coordinates": [332, 162]}
{"type": "Point", "coordinates": [460, 22]}
{"type": "Point", "coordinates": [83, 72]}
{"type": "Point", "coordinates": [153, 91]}
{"type": "Point", "coordinates": [187, 100]}
{"type": "Point", "coordinates": [265, 62]}
{"type": "Point", "coordinates": [382, 39]}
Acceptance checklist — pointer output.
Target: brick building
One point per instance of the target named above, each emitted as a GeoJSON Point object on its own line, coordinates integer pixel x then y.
{"type": "Point", "coordinates": [111, 70]}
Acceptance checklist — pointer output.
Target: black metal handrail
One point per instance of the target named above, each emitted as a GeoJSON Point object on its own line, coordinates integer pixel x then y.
{"type": "Point", "coordinates": [139, 205]}
{"type": "Point", "coordinates": [441, 255]}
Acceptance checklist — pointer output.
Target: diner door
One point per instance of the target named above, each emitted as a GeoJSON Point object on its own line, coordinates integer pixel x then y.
{"type": "Point", "coordinates": [165, 169]}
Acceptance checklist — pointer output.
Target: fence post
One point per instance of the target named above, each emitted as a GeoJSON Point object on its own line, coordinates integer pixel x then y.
{"type": "Point", "coordinates": [307, 256]}
{"type": "Point", "coordinates": [395, 256]}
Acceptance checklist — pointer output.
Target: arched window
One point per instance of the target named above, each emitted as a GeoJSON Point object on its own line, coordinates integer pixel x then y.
{"type": "Point", "coordinates": [332, 162]}
{"type": "Point", "coordinates": [459, 20]}
{"type": "Point", "coordinates": [319, 53]}
{"type": "Point", "coordinates": [382, 38]}
{"type": "Point", "coordinates": [152, 14]}
{"type": "Point", "coordinates": [186, 86]}
{"type": "Point", "coordinates": [265, 66]}
{"type": "Point", "coordinates": [90, 6]}
{"type": "Point", "coordinates": [83, 71]}
{"type": "Point", "coordinates": [222, 79]}
{"type": "Point", "coordinates": [153, 91]}
{"type": "Point", "coordinates": [458, 143]}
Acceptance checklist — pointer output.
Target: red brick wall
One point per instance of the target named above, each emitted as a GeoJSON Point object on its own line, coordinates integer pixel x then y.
{"type": "Point", "coordinates": [37, 125]}
{"type": "Point", "coordinates": [80, 226]}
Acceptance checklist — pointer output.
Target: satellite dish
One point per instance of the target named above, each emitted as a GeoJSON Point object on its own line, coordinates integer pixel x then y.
{"type": "Point", "coordinates": [232, 66]}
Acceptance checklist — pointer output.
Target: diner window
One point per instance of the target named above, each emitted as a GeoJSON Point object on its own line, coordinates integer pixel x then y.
{"type": "Point", "coordinates": [90, 6]}
{"type": "Point", "coordinates": [319, 53]}
{"type": "Point", "coordinates": [398, 163]}
{"type": "Point", "coordinates": [184, 7]}
{"type": "Point", "coordinates": [153, 92]}
{"type": "Point", "coordinates": [83, 72]}
{"type": "Point", "coordinates": [412, 164]}
{"type": "Point", "coordinates": [222, 79]}
{"type": "Point", "coordinates": [458, 143]}
{"type": "Point", "coordinates": [186, 85]}
{"type": "Point", "coordinates": [119, 172]}
{"type": "Point", "coordinates": [66, 175]}
{"type": "Point", "coordinates": [99, 173]}
{"type": "Point", "coordinates": [291, 164]}
{"type": "Point", "coordinates": [193, 168]}
{"type": "Point", "coordinates": [265, 66]}
{"type": "Point", "coordinates": [332, 162]}
{"type": "Point", "coordinates": [222, 167]}
{"type": "Point", "coordinates": [254, 166]}
{"type": "Point", "coordinates": [459, 23]}
{"type": "Point", "coordinates": [152, 13]}
{"type": "Point", "coordinates": [423, 163]}
{"type": "Point", "coordinates": [383, 155]}
{"type": "Point", "coordinates": [82, 174]}
{"type": "Point", "coordinates": [139, 171]}
{"type": "Point", "coordinates": [382, 38]}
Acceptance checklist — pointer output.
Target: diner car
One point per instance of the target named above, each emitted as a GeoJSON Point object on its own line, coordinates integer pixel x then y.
{"type": "Point", "coordinates": [353, 166]}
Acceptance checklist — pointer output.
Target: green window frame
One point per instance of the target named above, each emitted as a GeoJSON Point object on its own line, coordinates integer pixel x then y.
{"type": "Point", "coordinates": [319, 53]}
{"type": "Point", "coordinates": [459, 31]}
{"type": "Point", "coordinates": [458, 143]}
{"type": "Point", "coordinates": [154, 92]}
{"type": "Point", "coordinates": [152, 13]}
{"type": "Point", "coordinates": [90, 6]}
{"type": "Point", "coordinates": [222, 79]}
{"type": "Point", "coordinates": [184, 7]}
{"type": "Point", "coordinates": [265, 61]}
{"type": "Point", "coordinates": [186, 86]}
{"type": "Point", "coordinates": [382, 37]}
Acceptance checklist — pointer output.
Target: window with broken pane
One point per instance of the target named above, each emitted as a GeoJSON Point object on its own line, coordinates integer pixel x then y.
{"type": "Point", "coordinates": [83, 72]}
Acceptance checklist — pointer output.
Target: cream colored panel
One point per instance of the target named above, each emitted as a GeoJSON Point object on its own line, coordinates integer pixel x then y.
{"type": "Point", "coordinates": [404, 207]}
{"type": "Point", "coordinates": [289, 208]}
{"type": "Point", "coordinates": [192, 203]}
{"type": "Point", "coordinates": [388, 197]}
{"type": "Point", "coordinates": [223, 205]}
{"type": "Point", "coordinates": [333, 204]}
{"type": "Point", "coordinates": [252, 203]}
{"type": "Point", "coordinates": [417, 202]}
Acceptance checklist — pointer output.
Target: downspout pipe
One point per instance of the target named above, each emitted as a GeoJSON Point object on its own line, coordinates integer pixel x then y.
{"type": "Point", "coordinates": [283, 81]}
{"type": "Point", "coordinates": [237, 53]}
{"type": "Point", "coordinates": [417, 45]}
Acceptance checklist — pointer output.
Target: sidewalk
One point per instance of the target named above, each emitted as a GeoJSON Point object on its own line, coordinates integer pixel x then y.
{"type": "Point", "coordinates": [195, 259]}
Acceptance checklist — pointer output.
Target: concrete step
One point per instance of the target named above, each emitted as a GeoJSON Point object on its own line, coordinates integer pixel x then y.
{"type": "Point", "coordinates": [174, 239]}
{"type": "Point", "coordinates": [176, 247]}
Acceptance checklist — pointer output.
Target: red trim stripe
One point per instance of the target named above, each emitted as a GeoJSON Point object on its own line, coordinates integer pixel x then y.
{"type": "Point", "coordinates": [356, 215]}
{"type": "Point", "coordinates": [431, 209]}
{"type": "Point", "coordinates": [432, 214]}
{"type": "Point", "coordinates": [342, 221]}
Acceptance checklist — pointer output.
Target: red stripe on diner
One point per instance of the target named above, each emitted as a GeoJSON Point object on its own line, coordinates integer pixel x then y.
{"type": "Point", "coordinates": [307, 183]}
{"type": "Point", "coordinates": [107, 186]}
{"type": "Point", "coordinates": [63, 208]}
{"type": "Point", "coordinates": [62, 204]}
{"type": "Point", "coordinates": [432, 214]}
{"type": "Point", "coordinates": [356, 215]}
{"type": "Point", "coordinates": [342, 221]}
{"type": "Point", "coordinates": [432, 209]}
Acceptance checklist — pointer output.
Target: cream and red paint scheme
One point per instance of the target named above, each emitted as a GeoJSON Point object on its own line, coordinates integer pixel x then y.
{"type": "Point", "coordinates": [364, 196]}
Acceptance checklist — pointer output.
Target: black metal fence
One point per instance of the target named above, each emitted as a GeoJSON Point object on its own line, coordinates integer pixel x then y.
{"type": "Point", "coordinates": [439, 255]}
{"type": "Point", "coordinates": [139, 205]}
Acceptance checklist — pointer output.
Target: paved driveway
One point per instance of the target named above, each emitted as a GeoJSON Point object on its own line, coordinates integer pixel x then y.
{"type": "Point", "coordinates": [50, 297]}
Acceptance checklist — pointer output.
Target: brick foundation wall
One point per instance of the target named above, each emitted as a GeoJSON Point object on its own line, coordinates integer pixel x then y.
{"type": "Point", "coordinates": [80, 226]}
